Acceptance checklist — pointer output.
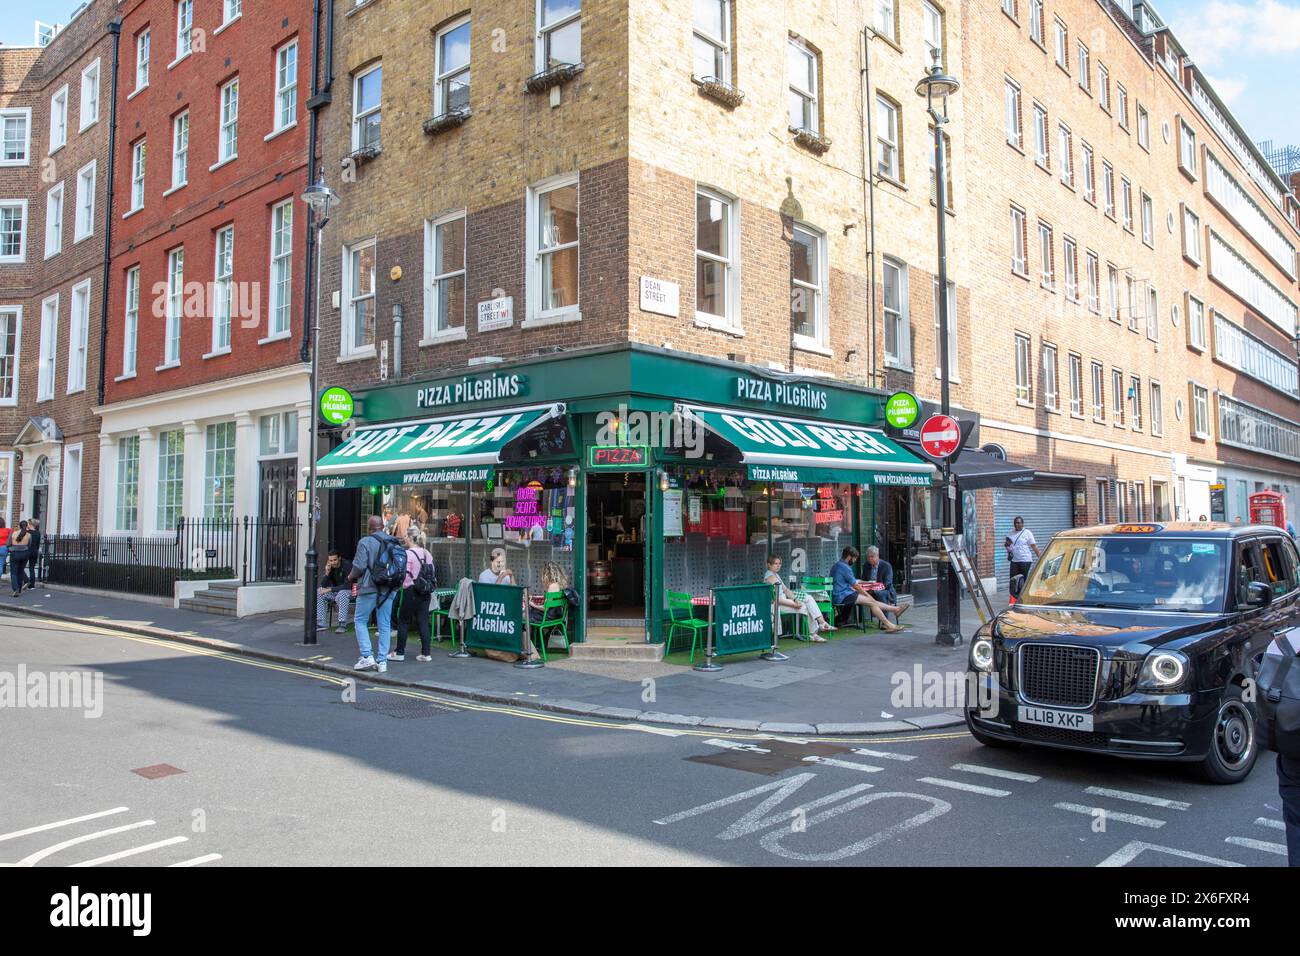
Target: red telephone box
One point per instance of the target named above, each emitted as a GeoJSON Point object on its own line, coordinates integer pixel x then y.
{"type": "Point", "coordinates": [1268, 507]}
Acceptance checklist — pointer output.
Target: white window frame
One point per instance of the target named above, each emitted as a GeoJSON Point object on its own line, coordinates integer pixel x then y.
{"type": "Point", "coordinates": [1197, 329]}
{"type": "Point", "coordinates": [433, 279]}
{"type": "Point", "coordinates": [180, 150]}
{"type": "Point", "coordinates": [1200, 399]}
{"type": "Point", "coordinates": [1148, 220]}
{"type": "Point", "coordinates": [1108, 189]}
{"type": "Point", "coordinates": [1046, 255]}
{"type": "Point", "coordinates": [1103, 86]}
{"type": "Point", "coordinates": [1089, 172]}
{"type": "Point", "coordinates": [1092, 266]}
{"type": "Point", "coordinates": [1193, 247]}
{"type": "Point", "coordinates": [78, 336]}
{"type": "Point", "coordinates": [90, 91]}
{"type": "Point", "coordinates": [1050, 365]}
{"type": "Point", "coordinates": [537, 314]}
{"type": "Point", "coordinates": [223, 286]}
{"type": "Point", "coordinates": [1024, 379]}
{"type": "Point", "coordinates": [131, 322]}
{"type": "Point", "coordinates": [1037, 26]}
{"type": "Point", "coordinates": [1097, 378]}
{"type": "Point", "coordinates": [228, 120]}
{"type": "Point", "coordinates": [1074, 363]}
{"type": "Point", "coordinates": [819, 341]}
{"type": "Point", "coordinates": [358, 119]}
{"type": "Point", "coordinates": [59, 118]}
{"type": "Point", "coordinates": [14, 321]}
{"type": "Point", "coordinates": [1061, 44]}
{"type": "Point", "coordinates": [1012, 113]}
{"type": "Point", "coordinates": [142, 52]}
{"type": "Point", "coordinates": [545, 30]}
{"type": "Point", "coordinates": [219, 504]}
{"type": "Point", "coordinates": [280, 272]}
{"type": "Point", "coordinates": [54, 209]}
{"type": "Point", "coordinates": [1070, 255]}
{"type": "Point", "coordinates": [811, 104]}
{"type": "Point", "coordinates": [285, 103]}
{"type": "Point", "coordinates": [1121, 106]}
{"type": "Point", "coordinates": [169, 505]}
{"type": "Point", "coordinates": [932, 31]}
{"type": "Point", "coordinates": [184, 30]}
{"type": "Point", "coordinates": [47, 366]}
{"type": "Point", "coordinates": [884, 19]}
{"type": "Point", "coordinates": [1135, 402]}
{"type": "Point", "coordinates": [443, 77]}
{"type": "Point", "coordinates": [139, 152]}
{"type": "Point", "coordinates": [1126, 203]}
{"type": "Point", "coordinates": [1156, 411]}
{"type": "Point", "coordinates": [1187, 149]}
{"type": "Point", "coordinates": [1112, 292]}
{"type": "Point", "coordinates": [1143, 127]}
{"type": "Point", "coordinates": [175, 307]}
{"type": "Point", "coordinates": [21, 255]}
{"type": "Point", "coordinates": [901, 356]}
{"type": "Point", "coordinates": [25, 112]}
{"type": "Point", "coordinates": [81, 228]}
{"type": "Point", "coordinates": [1042, 134]}
{"type": "Point", "coordinates": [721, 45]}
{"type": "Point", "coordinates": [126, 510]}
{"type": "Point", "coordinates": [1118, 397]}
{"type": "Point", "coordinates": [1083, 62]}
{"type": "Point", "coordinates": [888, 137]}
{"type": "Point", "coordinates": [1019, 242]}
{"type": "Point", "coordinates": [231, 10]}
{"type": "Point", "coordinates": [1065, 141]}
{"type": "Point", "coordinates": [348, 347]}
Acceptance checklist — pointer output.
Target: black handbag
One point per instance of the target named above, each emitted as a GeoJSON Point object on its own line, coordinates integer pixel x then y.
{"type": "Point", "coordinates": [1277, 701]}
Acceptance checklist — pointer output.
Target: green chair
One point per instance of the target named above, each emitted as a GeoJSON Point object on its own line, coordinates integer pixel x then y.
{"type": "Point", "coordinates": [681, 617]}
{"type": "Point", "coordinates": [439, 611]}
{"type": "Point", "coordinates": [820, 589]}
{"type": "Point", "coordinates": [553, 599]}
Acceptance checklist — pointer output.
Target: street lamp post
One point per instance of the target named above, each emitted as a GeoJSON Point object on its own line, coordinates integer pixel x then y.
{"type": "Point", "coordinates": [936, 86]}
{"type": "Point", "coordinates": [321, 201]}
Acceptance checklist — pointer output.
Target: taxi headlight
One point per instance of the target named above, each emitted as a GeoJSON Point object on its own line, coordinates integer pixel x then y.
{"type": "Point", "coordinates": [981, 655]}
{"type": "Point", "coordinates": [1163, 670]}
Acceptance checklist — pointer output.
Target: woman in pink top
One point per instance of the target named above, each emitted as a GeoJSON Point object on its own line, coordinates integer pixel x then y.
{"type": "Point", "coordinates": [415, 606]}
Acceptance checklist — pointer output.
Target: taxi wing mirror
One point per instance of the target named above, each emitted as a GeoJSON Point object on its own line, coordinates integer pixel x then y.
{"type": "Point", "coordinates": [1258, 594]}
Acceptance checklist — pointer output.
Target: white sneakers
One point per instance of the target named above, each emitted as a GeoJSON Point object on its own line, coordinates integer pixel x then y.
{"type": "Point", "coordinates": [365, 663]}
{"type": "Point", "coordinates": [397, 657]}
{"type": "Point", "coordinates": [382, 668]}
{"type": "Point", "coordinates": [424, 657]}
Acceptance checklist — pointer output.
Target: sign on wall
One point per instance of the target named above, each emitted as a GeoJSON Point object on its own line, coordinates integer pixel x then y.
{"type": "Point", "coordinates": [659, 296]}
{"type": "Point", "coordinates": [751, 388]}
{"type": "Point", "coordinates": [472, 388]}
{"type": "Point", "coordinates": [498, 313]}
{"type": "Point", "coordinates": [336, 405]}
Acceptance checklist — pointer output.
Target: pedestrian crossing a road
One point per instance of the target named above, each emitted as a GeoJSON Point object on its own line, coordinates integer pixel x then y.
{"type": "Point", "coordinates": [107, 835]}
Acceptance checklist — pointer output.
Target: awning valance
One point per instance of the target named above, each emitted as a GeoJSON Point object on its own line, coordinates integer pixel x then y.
{"type": "Point", "coordinates": [976, 469]}
{"type": "Point", "coordinates": [427, 451]}
{"type": "Point", "coordinates": [798, 449]}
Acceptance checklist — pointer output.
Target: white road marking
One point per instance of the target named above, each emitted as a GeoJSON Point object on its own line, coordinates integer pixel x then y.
{"type": "Point", "coordinates": [844, 764]}
{"type": "Point", "coordinates": [61, 823]}
{"type": "Point", "coordinates": [1102, 812]}
{"type": "Point", "coordinates": [883, 754]}
{"type": "Point", "coordinates": [1138, 798]}
{"type": "Point", "coordinates": [1263, 845]}
{"type": "Point", "coordinates": [736, 745]}
{"type": "Point", "coordinates": [50, 850]}
{"type": "Point", "coordinates": [1272, 824]}
{"type": "Point", "coordinates": [134, 851]}
{"type": "Point", "coordinates": [198, 860]}
{"type": "Point", "coordinates": [1127, 853]}
{"type": "Point", "coordinates": [771, 841]}
{"type": "Point", "coordinates": [993, 772]}
{"type": "Point", "coordinates": [646, 729]}
{"type": "Point", "coordinates": [968, 787]}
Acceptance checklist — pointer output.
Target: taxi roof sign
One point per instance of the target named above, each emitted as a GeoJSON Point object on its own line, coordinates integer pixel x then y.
{"type": "Point", "coordinates": [1138, 528]}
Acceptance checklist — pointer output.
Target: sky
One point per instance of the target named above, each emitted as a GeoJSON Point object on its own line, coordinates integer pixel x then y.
{"type": "Point", "coordinates": [1246, 47]}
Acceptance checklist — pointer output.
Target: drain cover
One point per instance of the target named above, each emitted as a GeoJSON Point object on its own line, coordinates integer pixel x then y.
{"type": "Point", "coordinates": [157, 770]}
{"type": "Point", "coordinates": [395, 705]}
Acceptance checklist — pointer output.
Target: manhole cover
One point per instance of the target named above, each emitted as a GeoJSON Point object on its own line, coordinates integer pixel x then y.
{"type": "Point", "coordinates": [157, 770]}
{"type": "Point", "coordinates": [395, 705]}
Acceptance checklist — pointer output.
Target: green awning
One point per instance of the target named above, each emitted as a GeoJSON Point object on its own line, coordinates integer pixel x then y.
{"type": "Point", "coordinates": [805, 450]}
{"type": "Point", "coordinates": [428, 451]}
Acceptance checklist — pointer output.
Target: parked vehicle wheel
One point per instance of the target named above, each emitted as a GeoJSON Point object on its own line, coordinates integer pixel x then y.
{"type": "Point", "coordinates": [1234, 746]}
{"type": "Point", "coordinates": [985, 739]}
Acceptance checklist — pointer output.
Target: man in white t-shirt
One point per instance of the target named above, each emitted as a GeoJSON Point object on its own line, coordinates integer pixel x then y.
{"type": "Point", "coordinates": [1022, 549]}
{"type": "Point", "coordinates": [496, 572]}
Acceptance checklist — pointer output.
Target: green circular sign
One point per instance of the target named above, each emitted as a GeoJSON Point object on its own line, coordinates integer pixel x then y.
{"type": "Point", "coordinates": [336, 405]}
{"type": "Point", "coordinates": [902, 409]}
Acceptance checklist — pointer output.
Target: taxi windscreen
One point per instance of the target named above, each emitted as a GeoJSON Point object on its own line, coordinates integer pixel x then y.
{"type": "Point", "coordinates": [1139, 572]}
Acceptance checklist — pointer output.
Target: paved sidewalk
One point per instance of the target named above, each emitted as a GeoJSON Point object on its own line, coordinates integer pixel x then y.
{"type": "Point", "coordinates": [848, 686]}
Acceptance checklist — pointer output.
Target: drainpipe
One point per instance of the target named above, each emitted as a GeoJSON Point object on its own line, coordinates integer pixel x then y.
{"type": "Point", "coordinates": [115, 31]}
{"type": "Point", "coordinates": [869, 189]}
{"type": "Point", "coordinates": [397, 340]}
{"type": "Point", "coordinates": [320, 96]}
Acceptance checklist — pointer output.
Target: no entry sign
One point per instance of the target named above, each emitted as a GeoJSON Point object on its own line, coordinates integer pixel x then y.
{"type": "Point", "coordinates": [940, 436]}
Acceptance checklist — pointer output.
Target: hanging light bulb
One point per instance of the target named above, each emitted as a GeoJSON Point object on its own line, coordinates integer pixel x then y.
{"type": "Point", "coordinates": [663, 479]}
{"type": "Point", "coordinates": [573, 477]}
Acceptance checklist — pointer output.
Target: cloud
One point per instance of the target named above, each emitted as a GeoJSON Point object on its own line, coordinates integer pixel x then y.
{"type": "Point", "coordinates": [1222, 30]}
{"type": "Point", "coordinates": [1229, 88]}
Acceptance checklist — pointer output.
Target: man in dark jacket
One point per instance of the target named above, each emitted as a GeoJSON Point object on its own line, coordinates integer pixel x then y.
{"type": "Point", "coordinates": [33, 553]}
{"type": "Point", "coordinates": [334, 588]}
{"type": "Point", "coordinates": [881, 572]}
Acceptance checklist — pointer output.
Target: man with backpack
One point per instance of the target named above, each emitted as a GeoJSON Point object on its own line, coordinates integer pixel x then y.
{"type": "Point", "coordinates": [417, 590]}
{"type": "Point", "coordinates": [379, 569]}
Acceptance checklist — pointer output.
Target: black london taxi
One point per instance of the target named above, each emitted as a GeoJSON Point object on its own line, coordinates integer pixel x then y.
{"type": "Point", "coordinates": [1139, 640]}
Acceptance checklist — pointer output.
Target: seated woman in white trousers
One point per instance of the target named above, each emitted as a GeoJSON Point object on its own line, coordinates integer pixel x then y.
{"type": "Point", "coordinates": [786, 599]}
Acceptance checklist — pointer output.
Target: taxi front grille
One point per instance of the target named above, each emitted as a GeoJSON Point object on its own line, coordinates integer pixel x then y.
{"type": "Point", "coordinates": [1058, 675]}
{"type": "Point", "coordinates": [1060, 735]}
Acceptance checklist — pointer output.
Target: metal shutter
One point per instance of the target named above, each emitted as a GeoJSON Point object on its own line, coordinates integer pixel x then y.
{"type": "Point", "coordinates": [1047, 506]}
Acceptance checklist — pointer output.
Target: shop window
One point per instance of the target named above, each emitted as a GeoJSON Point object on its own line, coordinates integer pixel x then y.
{"type": "Point", "coordinates": [171, 478]}
{"type": "Point", "coordinates": [219, 471]}
{"type": "Point", "coordinates": [128, 484]}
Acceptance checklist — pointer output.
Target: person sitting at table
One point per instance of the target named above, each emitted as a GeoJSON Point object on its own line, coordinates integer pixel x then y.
{"type": "Point", "coordinates": [880, 572]}
{"type": "Point", "coordinates": [847, 590]}
{"type": "Point", "coordinates": [496, 572]}
{"type": "Point", "coordinates": [786, 599]}
{"type": "Point", "coordinates": [554, 581]}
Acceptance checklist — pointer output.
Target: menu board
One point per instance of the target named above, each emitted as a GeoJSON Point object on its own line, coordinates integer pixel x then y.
{"type": "Point", "coordinates": [673, 513]}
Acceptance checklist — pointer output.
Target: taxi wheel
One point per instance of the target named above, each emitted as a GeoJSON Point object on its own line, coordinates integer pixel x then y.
{"type": "Point", "coordinates": [986, 740]}
{"type": "Point", "coordinates": [1233, 743]}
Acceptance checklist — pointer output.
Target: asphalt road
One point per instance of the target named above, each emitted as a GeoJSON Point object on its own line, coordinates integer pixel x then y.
{"type": "Point", "coordinates": [281, 765]}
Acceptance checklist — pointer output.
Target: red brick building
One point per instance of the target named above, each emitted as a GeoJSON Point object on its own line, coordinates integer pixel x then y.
{"type": "Point", "coordinates": [55, 116]}
{"type": "Point", "coordinates": [207, 384]}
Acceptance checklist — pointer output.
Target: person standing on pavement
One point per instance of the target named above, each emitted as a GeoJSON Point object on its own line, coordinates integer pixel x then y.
{"type": "Point", "coordinates": [370, 599]}
{"type": "Point", "coordinates": [5, 533]}
{"type": "Point", "coordinates": [415, 605]}
{"type": "Point", "coordinates": [1022, 550]}
{"type": "Point", "coordinates": [33, 553]}
{"type": "Point", "coordinates": [19, 543]}
{"type": "Point", "coordinates": [334, 588]}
